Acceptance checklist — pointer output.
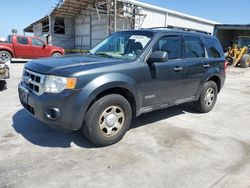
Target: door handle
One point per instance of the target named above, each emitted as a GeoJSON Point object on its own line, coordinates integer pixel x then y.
{"type": "Point", "coordinates": [206, 65]}
{"type": "Point", "coordinates": [177, 68]}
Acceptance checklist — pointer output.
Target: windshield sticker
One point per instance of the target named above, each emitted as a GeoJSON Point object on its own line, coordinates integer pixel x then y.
{"type": "Point", "coordinates": [138, 37]}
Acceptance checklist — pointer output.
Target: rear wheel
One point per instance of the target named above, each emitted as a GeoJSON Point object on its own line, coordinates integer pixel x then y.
{"type": "Point", "coordinates": [107, 120]}
{"type": "Point", "coordinates": [245, 61]}
{"type": "Point", "coordinates": [207, 97]}
{"type": "Point", "coordinates": [5, 56]}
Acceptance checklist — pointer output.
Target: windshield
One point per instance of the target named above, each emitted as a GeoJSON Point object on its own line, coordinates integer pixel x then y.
{"type": "Point", "coordinates": [124, 45]}
{"type": "Point", "coordinates": [244, 41]}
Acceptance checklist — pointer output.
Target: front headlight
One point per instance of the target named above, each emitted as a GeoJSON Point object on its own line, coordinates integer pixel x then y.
{"type": "Point", "coordinates": [56, 84]}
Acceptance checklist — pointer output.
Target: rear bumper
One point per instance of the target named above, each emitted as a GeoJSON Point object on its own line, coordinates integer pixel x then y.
{"type": "Point", "coordinates": [59, 111]}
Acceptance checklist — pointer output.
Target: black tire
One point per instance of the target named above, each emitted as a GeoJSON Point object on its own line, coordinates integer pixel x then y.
{"type": "Point", "coordinates": [56, 54]}
{"type": "Point", "coordinates": [245, 61]}
{"type": "Point", "coordinates": [230, 60]}
{"type": "Point", "coordinates": [3, 85]}
{"type": "Point", "coordinates": [5, 56]}
{"type": "Point", "coordinates": [107, 120]}
{"type": "Point", "coordinates": [207, 98]}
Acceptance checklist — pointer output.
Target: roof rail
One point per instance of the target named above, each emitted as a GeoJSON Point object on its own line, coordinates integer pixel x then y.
{"type": "Point", "coordinates": [179, 28]}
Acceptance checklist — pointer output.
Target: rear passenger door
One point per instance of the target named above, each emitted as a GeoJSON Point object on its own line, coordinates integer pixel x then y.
{"type": "Point", "coordinates": [196, 64]}
{"type": "Point", "coordinates": [23, 48]}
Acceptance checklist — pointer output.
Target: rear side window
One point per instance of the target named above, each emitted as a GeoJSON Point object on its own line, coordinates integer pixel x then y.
{"type": "Point", "coordinates": [214, 48]}
{"type": "Point", "coordinates": [193, 47]}
{"type": "Point", "coordinates": [170, 44]}
{"type": "Point", "coordinates": [23, 40]}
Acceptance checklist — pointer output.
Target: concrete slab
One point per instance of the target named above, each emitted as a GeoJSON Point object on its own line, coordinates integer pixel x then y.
{"type": "Point", "coordinates": [176, 147]}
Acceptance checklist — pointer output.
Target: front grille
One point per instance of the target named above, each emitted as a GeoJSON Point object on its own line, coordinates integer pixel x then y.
{"type": "Point", "coordinates": [33, 81]}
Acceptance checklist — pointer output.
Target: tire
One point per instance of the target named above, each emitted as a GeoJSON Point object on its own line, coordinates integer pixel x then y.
{"type": "Point", "coordinates": [245, 61]}
{"type": "Point", "coordinates": [207, 98]}
{"type": "Point", "coordinates": [3, 85]}
{"type": "Point", "coordinates": [230, 60]}
{"type": "Point", "coordinates": [5, 56]}
{"type": "Point", "coordinates": [56, 54]}
{"type": "Point", "coordinates": [107, 120]}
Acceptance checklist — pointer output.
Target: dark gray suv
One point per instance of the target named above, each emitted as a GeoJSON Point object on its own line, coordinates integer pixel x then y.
{"type": "Point", "coordinates": [127, 74]}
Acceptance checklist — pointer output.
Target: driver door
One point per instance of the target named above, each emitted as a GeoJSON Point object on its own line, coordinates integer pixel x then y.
{"type": "Point", "coordinates": [168, 77]}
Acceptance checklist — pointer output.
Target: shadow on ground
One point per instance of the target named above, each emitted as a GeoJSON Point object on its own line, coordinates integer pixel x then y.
{"type": "Point", "coordinates": [40, 134]}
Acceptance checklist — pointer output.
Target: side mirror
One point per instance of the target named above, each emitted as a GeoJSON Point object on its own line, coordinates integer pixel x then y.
{"type": "Point", "coordinates": [44, 45]}
{"type": "Point", "coordinates": [158, 57]}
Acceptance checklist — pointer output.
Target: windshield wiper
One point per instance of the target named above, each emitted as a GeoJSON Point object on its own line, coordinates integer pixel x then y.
{"type": "Point", "coordinates": [103, 54]}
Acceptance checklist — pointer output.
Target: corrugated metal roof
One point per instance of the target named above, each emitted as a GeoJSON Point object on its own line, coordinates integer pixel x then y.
{"type": "Point", "coordinates": [71, 8]}
{"type": "Point", "coordinates": [30, 27]}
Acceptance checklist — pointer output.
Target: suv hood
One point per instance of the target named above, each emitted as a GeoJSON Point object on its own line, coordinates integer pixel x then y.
{"type": "Point", "coordinates": [66, 65]}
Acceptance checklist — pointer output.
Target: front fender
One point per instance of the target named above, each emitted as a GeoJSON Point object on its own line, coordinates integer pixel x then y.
{"type": "Point", "coordinates": [102, 83]}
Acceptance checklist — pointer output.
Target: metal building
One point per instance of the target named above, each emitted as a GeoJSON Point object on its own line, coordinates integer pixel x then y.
{"type": "Point", "coordinates": [81, 24]}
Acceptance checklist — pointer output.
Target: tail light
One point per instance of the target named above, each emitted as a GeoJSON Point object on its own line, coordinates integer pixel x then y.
{"type": "Point", "coordinates": [225, 65]}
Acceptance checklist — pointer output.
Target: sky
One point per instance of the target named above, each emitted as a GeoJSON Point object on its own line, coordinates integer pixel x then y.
{"type": "Point", "coordinates": [21, 13]}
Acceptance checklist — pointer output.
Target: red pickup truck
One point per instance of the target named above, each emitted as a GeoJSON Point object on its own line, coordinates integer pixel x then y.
{"type": "Point", "coordinates": [26, 47]}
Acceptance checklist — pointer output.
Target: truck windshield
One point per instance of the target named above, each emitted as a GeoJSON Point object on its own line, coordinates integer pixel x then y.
{"type": "Point", "coordinates": [244, 41]}
{"type": "Point", "coordinates": [125, 45]}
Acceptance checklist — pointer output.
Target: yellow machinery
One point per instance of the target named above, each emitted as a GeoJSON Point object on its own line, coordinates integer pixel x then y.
{"type": "Point", "coordinates": [237, 55]}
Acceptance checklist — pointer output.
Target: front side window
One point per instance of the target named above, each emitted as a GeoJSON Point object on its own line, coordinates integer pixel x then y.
{"type": "Point", "coordinates": [36, 42]}
{"type": "Point", "coordinates": [193, 47]}
{"type": "Point", "coordinates": [127, 45]}
{"type": "Point", "coordinates": [170, 44]}
{"type": "Point", "coordinates": [23, 40]}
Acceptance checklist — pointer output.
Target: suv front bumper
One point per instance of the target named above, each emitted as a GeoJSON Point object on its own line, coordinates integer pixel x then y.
{"type": "Point", "coordinates": [60, 111]}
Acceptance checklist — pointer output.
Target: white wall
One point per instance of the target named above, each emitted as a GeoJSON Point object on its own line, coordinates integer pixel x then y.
{"type": "Point", "coordinates": [163, 19]}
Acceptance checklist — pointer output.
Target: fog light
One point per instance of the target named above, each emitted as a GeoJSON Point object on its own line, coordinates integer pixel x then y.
{"type": "Point", "coordinates": [52, 113]}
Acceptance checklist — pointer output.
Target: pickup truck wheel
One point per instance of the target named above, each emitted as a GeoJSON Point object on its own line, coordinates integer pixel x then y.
{"type": "Point", "coordinates": [107, 120]}
{"type": "Point", "coordinates": [5, 56]}
{"type": "Point", "coordinates": [207, 97]}
{"type": "Point", "coordinates": [56, 54]}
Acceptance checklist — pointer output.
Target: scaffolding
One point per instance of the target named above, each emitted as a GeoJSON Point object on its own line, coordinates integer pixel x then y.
{"type": "Point", "coordinates": [114, 14]}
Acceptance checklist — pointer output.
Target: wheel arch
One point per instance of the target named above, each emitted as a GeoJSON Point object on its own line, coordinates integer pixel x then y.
{"type": "Point", "coordinates": [123, 91]}
{"type": "Point", "coordinates": [8, 50]}
{"type": "Point", "coordinates": [56, 51]}
{"type": "Point", "coordinates": [217, 80]}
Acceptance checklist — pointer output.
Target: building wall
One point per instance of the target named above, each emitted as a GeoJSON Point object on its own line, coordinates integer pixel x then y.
{"type": "Point", "coordinates": [66, 40]}
{"type": "Point", "coordinates": [88, 28]}
{"type": "Point", "coordinates": [163, 19]}
{"type": "Point", "coordinates": [93, 28]}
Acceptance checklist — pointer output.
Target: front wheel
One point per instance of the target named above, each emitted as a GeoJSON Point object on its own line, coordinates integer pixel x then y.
{"type": "Point", "coordinates": [56, 54]}
{"type": "Point", "coordinates": [107, 120]}
{"type": "Point", "coordinates": [207, 97]}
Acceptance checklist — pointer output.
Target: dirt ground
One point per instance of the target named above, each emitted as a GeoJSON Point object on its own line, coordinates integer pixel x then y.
{"type": "Point", "coordinates": [175, 147]}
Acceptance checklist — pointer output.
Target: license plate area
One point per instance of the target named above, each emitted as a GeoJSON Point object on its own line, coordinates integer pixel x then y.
{"type": "Point", "coordinates": [23, 94]}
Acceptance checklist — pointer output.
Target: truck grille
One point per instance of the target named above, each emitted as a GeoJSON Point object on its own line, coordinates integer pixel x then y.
{"type": "Point", "coordinates": [33, 81]}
